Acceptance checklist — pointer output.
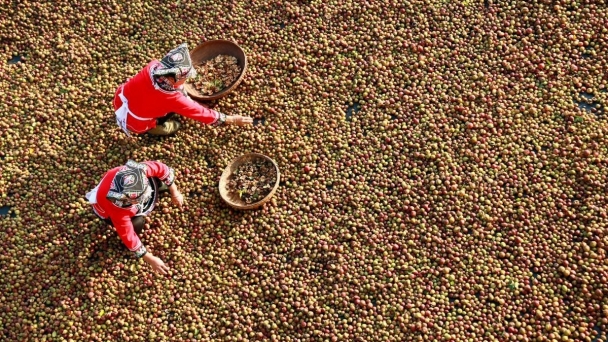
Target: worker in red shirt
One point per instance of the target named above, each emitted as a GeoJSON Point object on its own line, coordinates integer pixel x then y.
{"type": "Point", "coordinates": [126, 195]}
{"type": "Point", "coordinates": [148, 101]}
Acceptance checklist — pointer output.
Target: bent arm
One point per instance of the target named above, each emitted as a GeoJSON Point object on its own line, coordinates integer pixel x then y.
{"type": "Point", "coordinates": [161, 171]}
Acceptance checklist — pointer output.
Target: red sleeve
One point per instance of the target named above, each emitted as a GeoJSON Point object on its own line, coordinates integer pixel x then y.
{"type": "Point", "coordinates": [161, 171]}
{"type": "Point", "coordinates": [191, 109]}
{"type": "Point", "coordinates": [125, 230]}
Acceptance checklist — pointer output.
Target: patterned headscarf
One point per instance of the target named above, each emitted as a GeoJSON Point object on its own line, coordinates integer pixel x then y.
{"type": "Point", "coordinates": [177, 64]}
{"type": "Point", "coordinates": [130, 183]}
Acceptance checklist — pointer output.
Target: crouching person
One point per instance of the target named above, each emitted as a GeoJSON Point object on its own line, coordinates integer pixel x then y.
{"type": "Point", "coordinates": [126, 195]}
{"type": "Point", "coordinates": [148, 102]}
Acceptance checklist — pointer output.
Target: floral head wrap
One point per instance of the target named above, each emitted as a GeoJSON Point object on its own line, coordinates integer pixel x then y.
{"type": "Point", "coordinates": [130, 183]}
{"type": "Point", "coordinates": [176, 64]}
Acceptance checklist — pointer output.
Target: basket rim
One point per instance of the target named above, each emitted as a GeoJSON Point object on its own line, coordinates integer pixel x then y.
{"type": "Point", "coordinates": [226, 173]}
{"type": "Point", "coordinates": [226, 91]}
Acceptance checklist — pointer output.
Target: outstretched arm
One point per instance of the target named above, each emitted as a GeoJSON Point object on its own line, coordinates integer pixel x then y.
{"type": "Point", "coordinates": [124, 228]}
{"type": "Point", "coordinates": [198, 112]}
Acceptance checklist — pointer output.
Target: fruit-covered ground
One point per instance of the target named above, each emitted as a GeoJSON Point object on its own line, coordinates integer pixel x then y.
{"type": "Point", "coordinates": [444, 173]}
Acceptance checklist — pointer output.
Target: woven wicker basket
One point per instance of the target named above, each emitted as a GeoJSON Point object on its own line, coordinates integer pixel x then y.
{"type": "Point", "coordinates": [208, 50]}
{"type": "Point", "coordinates": [234, 200]}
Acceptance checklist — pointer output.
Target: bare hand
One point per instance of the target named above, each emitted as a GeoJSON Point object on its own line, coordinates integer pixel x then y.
{"type": "Point", "coordinates": [239, 120]}
{"type": "Point", "coordinates": [177, 199]}
{"type": "Point", "coordinates": [157, 265]}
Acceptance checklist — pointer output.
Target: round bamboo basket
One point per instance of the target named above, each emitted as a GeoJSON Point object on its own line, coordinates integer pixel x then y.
{"type": "Point", "coordinates": [208, 50]}
{"type": "Point", "coordinates": [234, 200]}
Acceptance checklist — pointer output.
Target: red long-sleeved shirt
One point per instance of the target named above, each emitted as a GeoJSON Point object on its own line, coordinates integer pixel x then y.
{"type": "Point", "coordinates": [121, 217]}
{"type": "Point", "coordinates": [150, 102]}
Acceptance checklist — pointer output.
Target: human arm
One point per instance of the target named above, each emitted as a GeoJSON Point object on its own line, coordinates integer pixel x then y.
{"type": "Point", "coordinates": [182, 105]}
{"type": "Point", "coordinates": [167, 176]}
{"type": "Point", "coordinates": [161, 171]}
{"type": "Point", "coordinates": [198, 112]}
{"type": "Point", "coordinates": [124, 228]}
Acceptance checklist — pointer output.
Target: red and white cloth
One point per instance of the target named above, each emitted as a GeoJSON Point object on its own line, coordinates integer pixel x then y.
{"type": "Point", "coordinates": [121, 215]}
{"type": "Point", "coordinates": [147, 101]}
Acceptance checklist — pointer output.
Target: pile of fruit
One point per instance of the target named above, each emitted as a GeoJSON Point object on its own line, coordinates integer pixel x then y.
{"type": "Point", "coordinates": [216, 74]}
{"type": "Point", "coordinates": [466, 199]}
